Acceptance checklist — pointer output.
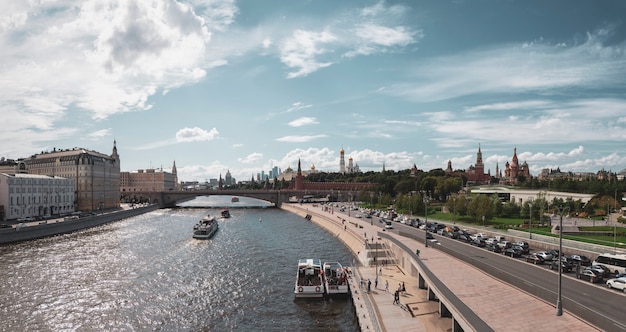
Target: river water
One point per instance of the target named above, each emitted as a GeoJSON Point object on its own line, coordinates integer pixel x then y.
{"type": "Point", "coordinates": [148, 274]}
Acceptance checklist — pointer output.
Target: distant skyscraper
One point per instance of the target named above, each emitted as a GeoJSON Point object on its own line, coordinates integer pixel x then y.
{"type": "Point", "coordinates": [275, 172]}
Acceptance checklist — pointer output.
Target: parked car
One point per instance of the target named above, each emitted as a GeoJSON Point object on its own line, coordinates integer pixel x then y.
{"type": "Point", "coordinates": [535, 259]}
{"type": "Point", "coordinates": [512, 252]}
{"type": "Point", "coordinates": [605, 271]}
{"type": "Point", "coordinates": [478, 242]}
{"type": "Point", "coordinates": [617, 283]}
{"type": "Point", "coordinates": [524, 245]}
{"type": "Point", "coordinates": [583, 260]}
{"type": "Point", "coordinates": [545, 255]}
{"type": "Point", "coordinates": [555, 253]}
{"type": "Point", "coordinates": [494, 247]}
{"type": "Point", "coordinates": [590, 275]}
{"type": "Point", "coordinates": [429, 235]}
{"type": "Point", "coordinates": [464, 238]}
{"type": "Point", "coordinates": [5, 226]}
{"type": "Point", "coordinates": [565, 265]}
{"type": "Point", "coordinates": [516, 247]}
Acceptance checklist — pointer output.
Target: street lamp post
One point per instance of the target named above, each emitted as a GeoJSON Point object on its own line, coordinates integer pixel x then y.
{"type": "Point", "coordinates": [530, 222]}
{"type": "Point", "coordinates": [426, 200]}
{"type": "Point", "coordinates": [376, 260]}
{"type": "Point", "coordinates": [454, 215]}
{"type": "Point", "coordinates": [559, 299]}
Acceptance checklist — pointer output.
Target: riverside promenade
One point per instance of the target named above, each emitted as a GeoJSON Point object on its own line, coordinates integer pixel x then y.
{"type": "Point", "coordinates": [501, 306]}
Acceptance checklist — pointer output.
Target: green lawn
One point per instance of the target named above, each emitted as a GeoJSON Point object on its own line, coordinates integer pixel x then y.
{"type": "Point", "coordinates": [504, 223]}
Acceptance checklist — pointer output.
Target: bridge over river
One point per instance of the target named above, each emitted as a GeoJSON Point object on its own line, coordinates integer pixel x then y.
{"type": "Point", "coordinates": [275, 197]}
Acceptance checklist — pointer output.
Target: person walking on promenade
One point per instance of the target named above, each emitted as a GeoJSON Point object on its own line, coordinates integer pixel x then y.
{"type": "Point", "coordinates": [376, 283]}
{"type": "Point", "coordinates": [403, 289]}
{"type": "Point", "coordinates": [396, 297]}
{"type": "Point", "coordinates": [369, 285]}
{"type": "Point", "coordinates": [387, 286]}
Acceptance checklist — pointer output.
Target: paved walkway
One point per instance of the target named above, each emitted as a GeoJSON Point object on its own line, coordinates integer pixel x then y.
{"type": "Point", "coordinates": [502, 306]}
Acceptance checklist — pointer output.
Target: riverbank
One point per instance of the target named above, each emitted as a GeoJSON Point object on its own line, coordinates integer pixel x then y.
{"type": "Point", "coordinates": [35, 230]}
{"type": "Point", "coordinates": [376, 309]}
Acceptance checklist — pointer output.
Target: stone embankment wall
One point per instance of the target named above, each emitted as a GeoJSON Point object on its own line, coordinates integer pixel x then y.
{"type": "Point", "coordinates": [12, 235]}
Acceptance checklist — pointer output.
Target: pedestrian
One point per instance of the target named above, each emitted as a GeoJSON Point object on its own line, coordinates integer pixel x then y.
{"type": "Point", "coordinates": [396, 297]}
{"type": "Point", "coordinates": [403, 288]}
{"type": "Point", "coordinates": [380, 270]}
{"type": "Point", "coordinates": [369, 285]}
{"type": "Point", "coordinates": [387, 286]}
{"type": "Point", "coordinates": [376, 283]}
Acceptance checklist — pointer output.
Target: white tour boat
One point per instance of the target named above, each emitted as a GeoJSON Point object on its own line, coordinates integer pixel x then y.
{"type": "Point", "coordinates": [309, 278]}
{"type": "Point", "coordinates": [335, 279]}
{"type": "Point", "coordinates": [205, 228]}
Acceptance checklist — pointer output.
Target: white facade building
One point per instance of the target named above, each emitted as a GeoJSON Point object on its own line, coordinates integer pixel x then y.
{"type": "Point", "coordinates": [35, 196]}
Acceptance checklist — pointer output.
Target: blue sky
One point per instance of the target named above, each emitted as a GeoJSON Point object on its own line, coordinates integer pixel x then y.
{"type": "Point", "coordinates": [247, 85]}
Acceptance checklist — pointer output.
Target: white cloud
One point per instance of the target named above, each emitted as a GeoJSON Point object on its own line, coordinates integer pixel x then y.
{"type": "Point", "coordinates": [251, 158]}
{"type": "Point", "coordinates": [516, 68]}
{"type": "Point", "coordinates": [267, 42]}
{"type": "Point", "coordinates": [299, 139]}
{"type": "Point", "coordinates": [98, 134]}
{"type": "Point", "coordinates": [307, 51]}
{"type": "Point", "coordinates": [302, 49]}
{"type": "Point", "coordinates": [297, 106]}
{"type": "Point", "coordinates": [303, 121]}
{"type": "Point", "coordinates": [102, 57]}
{"type": "Point", "coordinates": [196, 134]}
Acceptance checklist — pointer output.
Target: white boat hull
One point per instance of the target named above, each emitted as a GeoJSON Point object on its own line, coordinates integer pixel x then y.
{"type": "Point", "coordinates": [309, 291]}
{"type": "Point", "coordinates": [309, 279]}
{"type": "Point", "coordinates": [335, 279]}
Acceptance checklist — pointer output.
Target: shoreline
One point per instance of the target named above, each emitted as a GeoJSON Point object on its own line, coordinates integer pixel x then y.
{"type": "Point", "coordinates": [387, 317]}
{"type": "Point", "coordinates": [38, 231]}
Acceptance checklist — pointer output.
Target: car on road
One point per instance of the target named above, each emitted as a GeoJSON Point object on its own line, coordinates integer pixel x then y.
{"type": "Point", "coordinates": [535, 259]}
{"type": "Point", "coordinates": [545, 255]}
{"type": "Point", "coordinates": [494, 247]}
{"type": "Point", "coordinates": [590, 275]}
{"type": "Point", "coordinates": [388, 225]}
{"type": "Point", "coordinates": [603, 270]}
{"type": "Point", "coordinates": [524, 245]}
{"type": "Point", "coordinates": [617, 283]}
{"type": "Point", "coordinates": [5, 226]}
{"type": "Point", "coordinates": [565, 266]}
{"type": "Point", "coordinates": [513, 252]}
{"type": "Point", "coordinates": [464, 238]}
{"type": "Point", "coordinates": [582, 260]}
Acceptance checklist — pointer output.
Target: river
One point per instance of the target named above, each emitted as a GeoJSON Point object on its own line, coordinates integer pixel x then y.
{"type": "Point", "coordinates": [148, 273]}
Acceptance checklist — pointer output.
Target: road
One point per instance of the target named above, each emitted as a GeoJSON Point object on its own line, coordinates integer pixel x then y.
{"type": "Point", "coordinates": [593, 303]}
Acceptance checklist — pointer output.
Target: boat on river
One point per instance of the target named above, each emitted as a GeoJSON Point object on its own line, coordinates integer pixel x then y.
{"type": "Point", "coordinates": [225, 213]}
{"type": "Point", "coordinates": [234, 199]}
{"type": "Point", "coordinates": [335, 279]}
{"type": "Point", "coordinates": [205, 228]}
{"type": "Point", "coordinates": [309, 278]}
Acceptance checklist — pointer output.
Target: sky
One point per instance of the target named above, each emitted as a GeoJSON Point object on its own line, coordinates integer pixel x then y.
{"type": "Point", "coordinates": [243, 86]}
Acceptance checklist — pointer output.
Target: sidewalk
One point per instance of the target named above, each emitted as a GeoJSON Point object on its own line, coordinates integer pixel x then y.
{"type": "Point", "coordinates": [501, 306]}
